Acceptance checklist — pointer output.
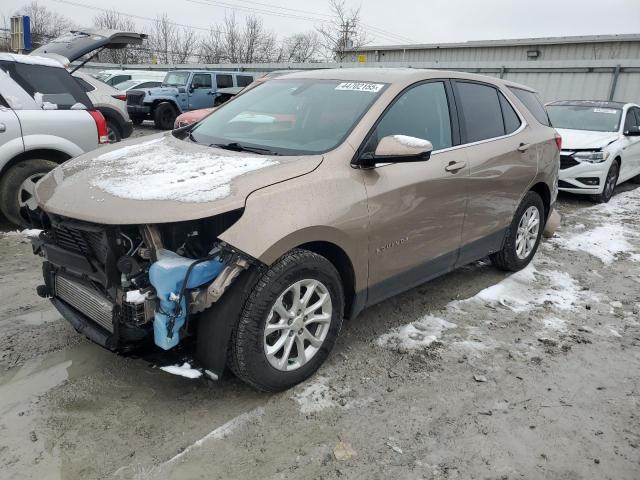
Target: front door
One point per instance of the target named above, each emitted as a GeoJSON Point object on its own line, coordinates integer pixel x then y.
{"type": "Point", "coordinates": [630, 146]}
{"type": "Point", "coordinates": [416, 210]}
{"type": "Point", "coordinates": [201, 92]}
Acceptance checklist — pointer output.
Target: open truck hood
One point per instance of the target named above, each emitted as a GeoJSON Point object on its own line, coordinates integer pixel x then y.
{"type": "Point", "coordinates": [161, 179]}
{"type": "Point", "coordinates": [77, 43]}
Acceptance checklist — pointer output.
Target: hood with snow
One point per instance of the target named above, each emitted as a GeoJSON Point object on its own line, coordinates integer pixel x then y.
{"type": "Point", "coordinates": [161, 179]}
{"type": "Point", "coordinates": [584, 139]}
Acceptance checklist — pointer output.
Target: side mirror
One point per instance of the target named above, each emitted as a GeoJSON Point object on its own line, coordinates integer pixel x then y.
{"type": "Point", "coordinates": [632, 132]}
{"type": "Point", "coordinates": [398, 149]}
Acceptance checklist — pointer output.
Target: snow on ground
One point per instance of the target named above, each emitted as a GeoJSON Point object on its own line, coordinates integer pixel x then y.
{"type": "Point", "coordinates": [314, 396]}
{"type": "Point", "coordinates": [26, 233]}
{"type": "Point", "coordinates": [183, 370]}
{"type": "Point", "coordinates": [158, 169]}
{"type": "Point", "coordinates": [416, 335]}
{"type": "Point", "coordinates": [605, 242]}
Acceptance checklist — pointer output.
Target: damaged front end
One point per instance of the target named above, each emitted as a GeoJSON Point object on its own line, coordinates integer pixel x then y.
{"type": "Point", "coordinates": [133, 285]}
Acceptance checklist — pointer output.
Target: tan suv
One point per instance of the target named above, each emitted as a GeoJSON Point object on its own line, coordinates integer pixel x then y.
{"type": "Point", "coordinates": [248, 238]}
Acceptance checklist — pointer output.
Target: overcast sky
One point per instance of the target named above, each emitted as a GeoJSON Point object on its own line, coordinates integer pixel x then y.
{"type": "Point", "coordinates": [423, 21]}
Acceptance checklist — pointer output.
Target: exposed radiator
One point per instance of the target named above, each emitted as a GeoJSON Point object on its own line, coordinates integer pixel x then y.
{"type": "Point", "coordinates": [86, 300]}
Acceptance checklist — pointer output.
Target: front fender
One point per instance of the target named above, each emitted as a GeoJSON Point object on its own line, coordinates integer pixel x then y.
{"type": "Point", "coordinates": [156, 100]}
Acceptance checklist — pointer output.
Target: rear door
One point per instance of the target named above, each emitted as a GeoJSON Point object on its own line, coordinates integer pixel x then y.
{"type": "Point", "coordinates": [499, 172]}
{"type": "Point", "coordinates": [416, 210]}
{"type": "Point", "coordinates": [631, 146]}
{"type": "Point", "coordinates": [201, 92]}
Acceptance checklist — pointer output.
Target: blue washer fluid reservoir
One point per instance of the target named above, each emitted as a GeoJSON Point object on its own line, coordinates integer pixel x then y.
{"type": "Point", "coordinates": [167, 275]}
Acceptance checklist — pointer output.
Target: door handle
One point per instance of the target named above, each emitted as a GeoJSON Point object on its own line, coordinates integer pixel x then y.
{"type": "Point", "coordinates": [3, 128]}
{"type": "Point", "coordinates": [523, 147]}
{"type": "Point", "coordinates": [453, 167]}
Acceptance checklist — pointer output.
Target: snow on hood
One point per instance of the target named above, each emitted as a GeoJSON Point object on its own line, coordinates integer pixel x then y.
{"type": "Point", "coordinates": [575, 139]}
{"type": "Point", "coordinates": [170, 173]}
{"type": "Point", "coordinates": [161, 179]}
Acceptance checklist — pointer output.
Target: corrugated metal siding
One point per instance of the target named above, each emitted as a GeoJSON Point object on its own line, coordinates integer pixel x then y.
{"type": "Point", "coordinates": [566, 86]}
{"type": "Point", "coordinates": [628, 88]}
{"type": "Point", "coordinates": [577, 51]}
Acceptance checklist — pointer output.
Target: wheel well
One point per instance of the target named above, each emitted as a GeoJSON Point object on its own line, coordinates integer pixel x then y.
{"type": "Point", "coordinates": [543, 190]}
{"type": "Point", "coordinates": [108, 114]}
{"type": "Point", "coordinates": [341, 261]}
{"type": "Point", "coordinates": [619, 160]}
{"type": "Point", "coordinates": [40, 153]}
{"type": "Point", "coordinates": [155, 104]}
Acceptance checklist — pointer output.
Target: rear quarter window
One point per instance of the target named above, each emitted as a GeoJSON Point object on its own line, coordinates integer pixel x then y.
{"type": "Point", "coordinates": [533, 104]}
{"type": "Point", "coordinates": [243, 80]}
{"type": "Point", "coordinates": [53, 82]}
{"type": "Point", "coordinates": [224, 81]}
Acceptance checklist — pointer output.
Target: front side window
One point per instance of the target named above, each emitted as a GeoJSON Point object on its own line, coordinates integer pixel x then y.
{"type": "Point", "coordinates": [533, 104]}
{"type": "Point", "coordinates": [632, 119]}
{"type": "Point", "coordinates": [224, 81]}
{"type": "Point", "coordinates": [201, 80]}
{"type": "Point", "coordinates": [49, 84]}
{"type": "Point", "coordinates": [176, 79]}
{"type": "Point", "coordinates": [421, 112]}
{"type": "Point", "coordinates": [583, 117]}
{"type": "Point", "coordinates": [481, 111]}
{"type": "Point", "coordinates": [293, 116]}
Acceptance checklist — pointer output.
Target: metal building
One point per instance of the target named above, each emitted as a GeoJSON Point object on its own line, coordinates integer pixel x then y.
{"type": "Point", "coordinates": [604, 67]}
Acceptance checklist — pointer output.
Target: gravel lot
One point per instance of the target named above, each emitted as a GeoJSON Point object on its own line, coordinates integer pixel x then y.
{"type": "Point", "coordinates": [474, 375]}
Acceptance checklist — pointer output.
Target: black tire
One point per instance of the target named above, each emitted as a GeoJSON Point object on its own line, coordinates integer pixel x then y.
{"type": "Point", "coordinates": [246, 354]}
{"type": "Point", "coordinates": [11, 192]}
{"type": "Point", "coordinates": [507, 258]}
{"type": "Point", "coordinates": [113, 132]}
{"type": "Point", "coordinates": [164, 116]}
{"type": "Point", "coordinates": [609, 184]}
{"type": "Point", "coordinates": [137, 120]}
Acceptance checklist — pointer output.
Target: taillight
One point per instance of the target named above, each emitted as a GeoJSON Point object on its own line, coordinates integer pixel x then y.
{"type": "Point", "coordinates": [101, 124]}
{"type": "Point", "coordinates": [559, 141]}
{"type": "Point", "coordinates": [120, 97]}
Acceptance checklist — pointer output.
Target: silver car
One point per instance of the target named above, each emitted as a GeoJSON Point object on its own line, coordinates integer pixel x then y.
{"type": "Point", "coordinates": [45, 119]}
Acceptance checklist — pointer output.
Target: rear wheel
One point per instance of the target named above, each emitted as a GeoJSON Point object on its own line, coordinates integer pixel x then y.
{"type": "Point", "coordinates": [164, 116]}
{"type": "Point", "coordinates": [17, 189]}
{"type": "Point", "coordinates": [113, 132]}
{"type": "Point", "coordinates": [289, 324]}
{"type": "Point", "coordinates": [523, 236]}
{"type": "Point", "coordinates": [609, 184]}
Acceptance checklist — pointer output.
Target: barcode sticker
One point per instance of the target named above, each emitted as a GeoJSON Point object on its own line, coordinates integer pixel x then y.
{"type": "Point", "coordinates": [360, 86]}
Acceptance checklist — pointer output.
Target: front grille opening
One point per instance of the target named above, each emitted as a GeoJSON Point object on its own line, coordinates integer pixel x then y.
{"type": "Point", "coordinates": [567, 161]}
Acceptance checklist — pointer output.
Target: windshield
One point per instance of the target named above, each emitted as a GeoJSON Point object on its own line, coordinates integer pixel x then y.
{"type": "Point", "coordinates": [301, 116]}
{"type": "Point", "coordinates": [580, 117]}
{"type": "Point", "coordinates": [175, 79]}
{"type": "Point", "coordinates": [126, 84]}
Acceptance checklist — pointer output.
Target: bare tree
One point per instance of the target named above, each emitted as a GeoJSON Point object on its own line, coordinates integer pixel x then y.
{"type": "Point", "coordinates": [45, 24]}
{"type": "Point", "coordinates": [171, 44]}
{"type": "Point", "coordinates": [114, 20]}
{"type": "Point", "coordinates": [211, 47]}
{"type": "Point", "coordinates": [300, 47]}
{"type": "Point", "coordinates": [343, 31]}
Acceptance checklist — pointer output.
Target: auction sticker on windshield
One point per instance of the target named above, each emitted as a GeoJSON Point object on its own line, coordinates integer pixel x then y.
{"type": "Point", "coordinates": [360, 87]}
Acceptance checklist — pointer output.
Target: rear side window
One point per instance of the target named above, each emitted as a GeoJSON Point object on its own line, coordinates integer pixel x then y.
{"type": "Point", "coordinates": [243, 80]}
{"type": "Point", "coordinates": [533, 104]}
{"type": "Point", "coordinates": [55, 84]}
{"type": "Point", "coordinates": [511, 119]}
{"type": "Point", "coordinates": [118, 79]}
{"type": "Point", "coordinates": [224, 81]}
{"type": "Point", "coordinates": [481, 111]}
{"type": "Point", "coordinates": [421, 112]}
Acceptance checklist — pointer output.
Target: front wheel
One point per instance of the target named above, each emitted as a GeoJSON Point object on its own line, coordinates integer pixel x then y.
{"type": "Point", "coordinates": [289, 324]}
{"type": "Point", "coordinates": [523, 236]}
{"type": "Point", "coordinates": [17, 189]}
{"type": "Point", "coordinates": [609, 184]}
{"type": "Point", "coordinates": [164, 116]}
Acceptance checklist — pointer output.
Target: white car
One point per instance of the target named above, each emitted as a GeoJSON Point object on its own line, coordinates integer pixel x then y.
{"type": "Point", "coordinates": [114, 77]}
{"type": "Point", "coordinates": [600, 145]}
{"type": "Point", "coordinates": [139, 83]}
{"type": "Point", "coordinates": [112, 103]}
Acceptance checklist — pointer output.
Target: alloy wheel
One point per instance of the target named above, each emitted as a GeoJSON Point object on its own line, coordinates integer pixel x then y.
{"type": "Point", "coordinates": [26, 193]}
{"type": "Point", "coordinates": [527, 234]}
{"type": "Point", "coordinates": [297, 325]}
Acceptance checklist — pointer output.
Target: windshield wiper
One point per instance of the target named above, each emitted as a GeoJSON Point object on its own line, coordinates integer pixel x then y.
{"type": "Point", "coordinates": [236, 147]}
